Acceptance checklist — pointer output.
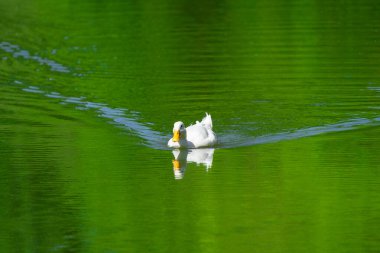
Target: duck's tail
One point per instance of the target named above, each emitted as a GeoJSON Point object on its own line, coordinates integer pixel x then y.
{"type": "Point", "coordinates": [207, 121]}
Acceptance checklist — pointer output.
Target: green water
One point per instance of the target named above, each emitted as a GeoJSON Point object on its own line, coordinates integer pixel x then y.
{"type": "Point", "coordinates": [89, 92]}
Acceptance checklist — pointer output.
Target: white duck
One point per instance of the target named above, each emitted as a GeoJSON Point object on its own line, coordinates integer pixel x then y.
{"type": "Point", "coordinates": [194, 136]}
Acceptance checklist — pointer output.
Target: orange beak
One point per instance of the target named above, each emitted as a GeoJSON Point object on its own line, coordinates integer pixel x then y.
{"type": "Point", "coordinates": [176, 136]}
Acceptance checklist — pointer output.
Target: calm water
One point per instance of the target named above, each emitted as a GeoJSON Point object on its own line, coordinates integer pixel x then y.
{"type": "Point", "coordinates": [89, 93]}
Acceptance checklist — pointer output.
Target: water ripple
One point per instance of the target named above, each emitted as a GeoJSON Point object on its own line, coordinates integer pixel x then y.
{"type": "Point", "coordinates": [18, 52]}
{"type": "Point", "coordinates": [231, 140]}
{"type": "Point", "coordinates": [118, 116]}
{"type": "Point", "coordinates": [128, 120]}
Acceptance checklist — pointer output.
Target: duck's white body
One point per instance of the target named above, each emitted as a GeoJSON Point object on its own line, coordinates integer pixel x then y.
{"type": "Point", "coordinates": [194, 136]}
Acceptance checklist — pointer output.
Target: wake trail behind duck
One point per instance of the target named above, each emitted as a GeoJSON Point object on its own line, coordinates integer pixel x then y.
{"type": "Point", "coordinates": [129, 120]}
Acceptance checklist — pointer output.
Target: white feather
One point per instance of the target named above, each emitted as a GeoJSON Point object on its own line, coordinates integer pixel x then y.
{"type": "Point", "coordinates": [195, 136]}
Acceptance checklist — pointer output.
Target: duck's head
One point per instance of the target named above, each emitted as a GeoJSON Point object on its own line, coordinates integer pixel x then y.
{"type": "Point", "coordinates": [179, 131]}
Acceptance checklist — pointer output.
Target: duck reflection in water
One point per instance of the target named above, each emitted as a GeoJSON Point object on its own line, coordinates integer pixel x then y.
{"type": "Point", "coordinates": [202, 156]}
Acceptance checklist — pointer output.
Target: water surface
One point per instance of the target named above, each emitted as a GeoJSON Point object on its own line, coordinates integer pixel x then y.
{"type": "Point", "coordinates": [89, 94]}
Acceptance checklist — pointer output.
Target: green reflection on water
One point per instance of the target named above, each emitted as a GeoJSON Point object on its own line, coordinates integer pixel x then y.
{"type": "Point", "coordinates": [72, 182]}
